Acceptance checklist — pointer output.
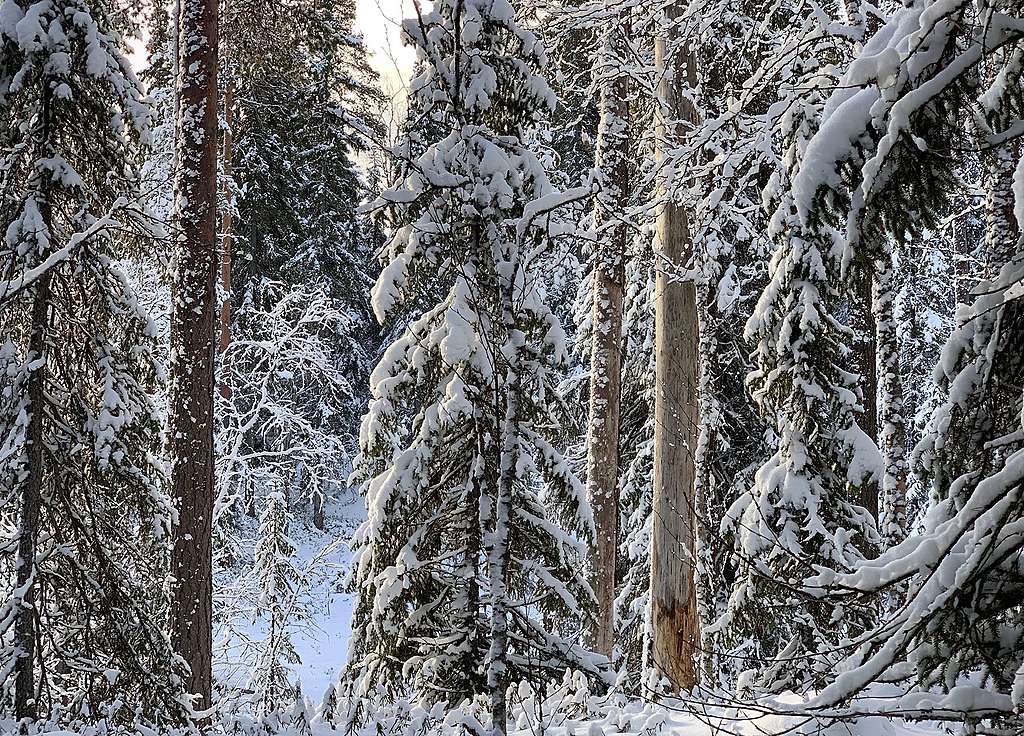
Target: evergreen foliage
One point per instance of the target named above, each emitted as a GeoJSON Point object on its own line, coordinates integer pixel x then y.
{"type": "Point", "coordinates": [466, 582]}
{"type": "Point", "coordinates": [85, 517]}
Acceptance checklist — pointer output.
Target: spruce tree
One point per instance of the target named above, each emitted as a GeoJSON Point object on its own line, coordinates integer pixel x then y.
{"type": "Point", "coordinates": [955, 638]}
{"type": "Point", "coordinates": [277, 580]}
{"type": "Point", "coordinates": [299, 105]}
{"type": "Point", "coordinates": [461, 568]}
{"type": "Point", "coordinates": [85, 504]}
{"type": "Point", "coordinates": [801, 510]}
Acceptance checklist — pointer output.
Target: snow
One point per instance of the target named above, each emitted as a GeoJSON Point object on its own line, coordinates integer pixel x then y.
{"type": "Point", "coordinates": [321, 640]}
{"type": "Point", "coordinates": [569, 709]}
{"type": "Point", "coordinates": [847, 122]}
{"type": "Point", "coordinates": [867, 119]}
{"type": "Point", "coordinates": [10, 14]}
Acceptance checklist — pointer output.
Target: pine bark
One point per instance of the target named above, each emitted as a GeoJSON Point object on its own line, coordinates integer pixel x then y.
{"type": "Point", "coordinates": [609, 277]}
{"type": "Point", "coordinates": [674, 615]}
{"type": "Point", "coordinates": [192, 346]}
{"type": "Point", "coordinates": [227, 237]}
{"type": "Point", "coordinates": [25, 706]}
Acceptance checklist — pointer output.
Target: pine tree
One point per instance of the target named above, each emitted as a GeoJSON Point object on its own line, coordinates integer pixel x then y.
{"type": "Point", "coordinates": [461, 569]}
{"type": "Point", "coordinates": [85, 507]}
{"type": "Point", "coordinates": [190, 422]}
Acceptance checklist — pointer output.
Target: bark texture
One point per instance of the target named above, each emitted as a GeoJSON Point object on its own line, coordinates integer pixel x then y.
{"type": "Point", "coordinates": [867, 351]}
{"type": "Point", "coordinates": [31, 505]}
{"type": "Point", "coordinates": [674, 615]}
{"type": "Point", "coordinates": [227, 235]}
{"type": "Point", "coordinates": [893, 426]}
{"type": "Point", "coordinates": [609, 275]}
{"type": "Point", "coordinates": [1001, 227]}
{"type": "Point", "coordinates": [192, 345]}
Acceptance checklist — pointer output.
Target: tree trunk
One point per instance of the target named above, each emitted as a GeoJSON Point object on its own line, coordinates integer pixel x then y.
{"type": "Point", "coordinates": [606, 341]}
{"type": "Point", "coordinates": [192, 346]}
{"type": "Point", "coordinates": [1001, 227]}
{"type": "Point", "coordinates": [497, 555]}
{"type": "Point", "coordinates": [497, 565]}
{"type": "Point", "coordinates": [25, 706]}
{"type": "Point", "coordinates": [893, 431]}
{"type": "Point", "coordinates": [506, 415]}
{"type": "Point", "coordinates": [674, 616]}
{"type": "Point", "coordinates": [867, 351]}
{"type": "Point", "coordinates": [25, 634]}
{"type": "Point", "coordinates": [318, 510]}
{"type": "Point", "coordinates": [863, 312]}
{"type": "Point", "coordinates": [227, 237]}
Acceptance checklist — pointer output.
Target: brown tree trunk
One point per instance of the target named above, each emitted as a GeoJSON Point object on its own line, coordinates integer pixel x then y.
{"type": "Point", "coordinates": [192, 346]}
{"type": "Point", "coordinates": [606, 342]}
{"type": "Point", "coordinates": [25, 706]}
{"type": "Point", "coordinates": [867, 351]}
{"type": "Point", "coordinates": [674, 616]}
{"type": "Point", "coordinates": [227, 237]}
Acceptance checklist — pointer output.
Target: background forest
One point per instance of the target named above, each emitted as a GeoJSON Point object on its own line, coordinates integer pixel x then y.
{"type": "Point", "coordinates": [645, 366]}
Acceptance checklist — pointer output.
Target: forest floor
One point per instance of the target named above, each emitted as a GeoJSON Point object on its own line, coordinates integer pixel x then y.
{"type": "Point", "coordinates": [668, 718]}
{"type": "Point", "coordinates": [321, 633]}
{"type": "Point", "coordinates": [321, 641]}
{"type": "Point", "coordinates": [322, 623]}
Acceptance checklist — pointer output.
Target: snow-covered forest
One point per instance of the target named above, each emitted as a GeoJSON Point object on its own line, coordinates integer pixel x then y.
{"type": "Point", "coordinates": [644, 367]}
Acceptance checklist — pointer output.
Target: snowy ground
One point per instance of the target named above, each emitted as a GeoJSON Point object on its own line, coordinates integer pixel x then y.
{"type": "Point", "coordinates": [641, 718]}
{"type": "Point", "coordinates": [321, 640]}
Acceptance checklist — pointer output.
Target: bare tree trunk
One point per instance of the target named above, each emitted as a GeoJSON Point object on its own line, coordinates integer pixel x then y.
{"type": "Point", "coordinates": [25, 706]}
{"type": "Point", "coordinates": [674, 615]}
{"type": "Point", "coordinates": [893, 431]}
{"type": "Point", "coordinates": [227, 237]}
{"type": "Point", "coordinates": [606, 339]}
{"type": "Point", "coordinates": [192, 346]}
{"type": "Point", "coordinates": [868, 359]}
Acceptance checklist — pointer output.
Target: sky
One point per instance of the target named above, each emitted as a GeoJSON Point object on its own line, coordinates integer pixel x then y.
{"type": "Point", "coordinates": [378, 21]}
